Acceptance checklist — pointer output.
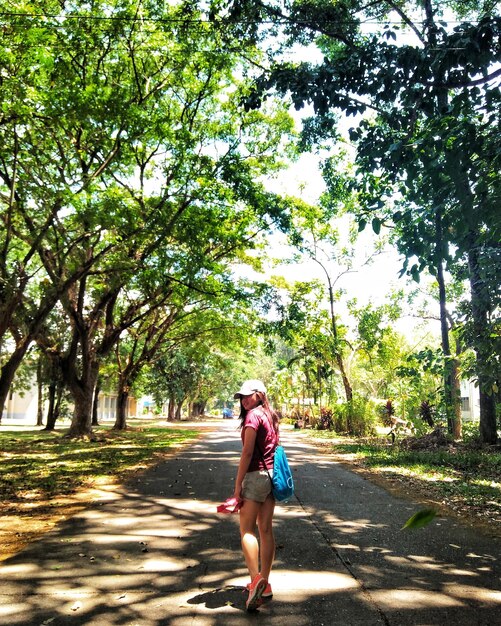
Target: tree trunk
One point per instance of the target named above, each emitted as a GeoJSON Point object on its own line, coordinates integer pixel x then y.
{"type": "Point", "coordinates": [122, 403]}
{"type": "Point", "coordinates": [8, 372]}
{"type": "Point", "coordinates": [488, 428]}
{"type": "Point", "coordinates": [55, 390]}
{"type": "Point", "coordinates": [480, 310]}
{"type": "Point", "coordinates": [51, 411]}
{"type": "Point", "coordinates": [179, 406]}
{"type": "Point", "coordinates": [480, 298]}
{"type": "Point", "coordinates": [348, 389]}
{"type": "Point", "coordinates": [197, 408]}
{"type": "Point", "coordinates": [171, 410]}
{"type": "Point", "coordinates": [82, 391]}
{"type": "Point", "coordinates": [457, 431]}
{"type": "Point", "coordinates": [40, 393]}
{"type": "Point", "coordinates": [95, 403]}
{"type": "Point", "coordinates": [81, 423]}
{"type": "Point", "coordinates": [451, 366]}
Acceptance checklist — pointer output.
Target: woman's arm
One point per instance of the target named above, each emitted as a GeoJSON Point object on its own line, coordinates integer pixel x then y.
{"type": "Point", "coordinates": [245, 459]}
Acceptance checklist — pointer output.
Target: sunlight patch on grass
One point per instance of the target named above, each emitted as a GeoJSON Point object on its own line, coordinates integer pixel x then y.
{"type": "Point", "coordinates": [37, 465]}
{"type": "Point", "coordinates": [418, 472]}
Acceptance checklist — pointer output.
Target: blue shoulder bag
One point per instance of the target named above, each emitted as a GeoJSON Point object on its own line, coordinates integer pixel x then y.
{"type": "Point", "coordinates": [282, 483]}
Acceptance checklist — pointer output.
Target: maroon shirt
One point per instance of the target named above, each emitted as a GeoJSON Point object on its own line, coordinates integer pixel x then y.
{"type": "Point", "coordinates": [266, 439]}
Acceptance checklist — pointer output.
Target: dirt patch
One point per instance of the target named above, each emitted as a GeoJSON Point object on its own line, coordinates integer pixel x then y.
{"type": "Point", "coordinates": [485, 520]}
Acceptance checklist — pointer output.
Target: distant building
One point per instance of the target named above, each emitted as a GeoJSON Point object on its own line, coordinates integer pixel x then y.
{"type": "Point", "coordinates": [22, 409]}
{"type": "Point", "coordinates": [470, 401]}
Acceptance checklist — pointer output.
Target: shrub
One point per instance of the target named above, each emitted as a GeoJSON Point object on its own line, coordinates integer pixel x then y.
{"type": "Point", "coordinates": [386, 412]}
{"type": "Point", "coordinates": [427, 413]}
{"type": "Point", "coordinates": [326, 421]}
{"type": "Point", "coordinates": [358, 417]}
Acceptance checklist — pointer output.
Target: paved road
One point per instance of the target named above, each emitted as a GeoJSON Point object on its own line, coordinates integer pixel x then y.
{"type": "Point", "coordinates": [156, 553]}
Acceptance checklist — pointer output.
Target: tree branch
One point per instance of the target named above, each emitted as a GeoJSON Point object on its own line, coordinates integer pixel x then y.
{"type": "Point", "coordinates": [472, 83]}
{"type": "Point", "coordinates": [406, 19]}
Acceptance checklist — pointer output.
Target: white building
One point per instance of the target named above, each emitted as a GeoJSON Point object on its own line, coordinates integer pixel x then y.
{"type": "Point", "coordinates": [22, 409]}
{"type": "Point", "coordinates": [470, 401]}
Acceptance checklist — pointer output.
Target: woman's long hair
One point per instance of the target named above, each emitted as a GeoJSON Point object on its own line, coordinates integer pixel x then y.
{"type": "Point", "coordinates": [263, 401]}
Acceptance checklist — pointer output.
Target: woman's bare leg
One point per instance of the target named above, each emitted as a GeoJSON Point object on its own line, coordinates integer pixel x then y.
{"type": "Point", "coordinates": [250, 547]}
{"type": "Point", "coordinates": [266, 536]}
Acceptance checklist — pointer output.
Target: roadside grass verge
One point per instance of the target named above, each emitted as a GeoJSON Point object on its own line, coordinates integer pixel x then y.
{"type": "Point", "coordinates": [45, 478]}
{"type": "Point", "coordinates": [462, 479]}
{"type": "Point", "coordinates": [39, 466]}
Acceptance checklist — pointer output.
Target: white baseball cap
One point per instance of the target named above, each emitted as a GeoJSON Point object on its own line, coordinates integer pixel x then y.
{"type": "Point", "coordinates": [249, 387]}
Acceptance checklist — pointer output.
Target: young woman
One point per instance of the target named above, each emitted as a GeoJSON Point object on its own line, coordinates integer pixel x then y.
{"type": "Point", "coordinates": [259, 424]}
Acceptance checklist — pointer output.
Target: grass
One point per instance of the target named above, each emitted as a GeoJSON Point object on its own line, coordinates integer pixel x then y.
{"type": "Point", "coordinates": [35, 465]}
{"type": "Point", "coordinates": [462, 479]}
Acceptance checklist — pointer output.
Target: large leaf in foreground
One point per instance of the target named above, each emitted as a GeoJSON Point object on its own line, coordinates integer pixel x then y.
{"type": "Point", "coordinates": [420, 519]}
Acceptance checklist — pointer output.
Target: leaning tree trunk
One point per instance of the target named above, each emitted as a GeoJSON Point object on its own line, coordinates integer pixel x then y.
{"type": "Point", "coordinates": [348, 389]}
{"type": "Point", "coordinates": [8, 371]}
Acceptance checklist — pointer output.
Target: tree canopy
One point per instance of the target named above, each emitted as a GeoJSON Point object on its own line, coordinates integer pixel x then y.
{"type": "Point", "coordinates": [423, 90]}
{"type": "Point", "coordinates": [136, 140]}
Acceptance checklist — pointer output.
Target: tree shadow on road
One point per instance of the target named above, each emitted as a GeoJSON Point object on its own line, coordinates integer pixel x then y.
{"type": "Point", "coordinates": [158, 554]}
{"type": "Point", "coordinates": [224, 596]}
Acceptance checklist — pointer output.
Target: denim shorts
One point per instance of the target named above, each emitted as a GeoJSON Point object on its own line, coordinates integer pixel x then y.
{"type": "Point", "coordinates": [257, 485]}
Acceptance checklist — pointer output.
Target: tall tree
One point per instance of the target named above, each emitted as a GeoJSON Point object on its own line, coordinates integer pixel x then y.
{"type": "Point", "coordinates": [148, 165]}
{"type": "Point", "coordinates": [430, 133]}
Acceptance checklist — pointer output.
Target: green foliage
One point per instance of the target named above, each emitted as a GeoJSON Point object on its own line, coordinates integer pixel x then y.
{"type": "Point", "coordinates": [427, 156]}
{"type": "Point", "coordinates": [130, 179]}
{"type": "Point", "coordinates": [358, 417]}
{"type": "Point", "coordinates": [419, 381]}
{"type": "Point", "coordinates": [386, 411]}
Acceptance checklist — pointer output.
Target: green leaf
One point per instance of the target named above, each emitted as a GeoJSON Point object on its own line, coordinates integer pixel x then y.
{"type": "Point", "coordinates": [420, 519]}
{"type": "Point", "coordinates": [376, 225]}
